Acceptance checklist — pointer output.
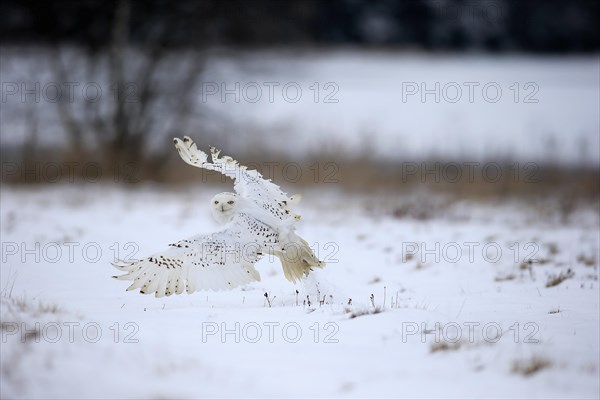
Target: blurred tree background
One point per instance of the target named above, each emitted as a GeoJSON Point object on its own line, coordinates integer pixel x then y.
{"type": "Point", "coordinates": [541, 26]}
{"type": "Point", "coordinates": [135, 41]}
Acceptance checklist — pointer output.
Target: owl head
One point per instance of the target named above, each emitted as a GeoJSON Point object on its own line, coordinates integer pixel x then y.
{"type": "Point", "coordinates": [224, 206]}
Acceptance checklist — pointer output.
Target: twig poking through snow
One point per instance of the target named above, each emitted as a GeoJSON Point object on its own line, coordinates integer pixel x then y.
{"type": "Point", "coordinates": [268, 299]}
{"type": "Point", "coordinates": [318, 292]}
{"type": "Point", "coordinates": [9, 286]}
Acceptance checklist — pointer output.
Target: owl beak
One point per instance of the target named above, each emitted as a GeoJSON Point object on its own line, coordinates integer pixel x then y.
{"type": "Point", "coordinates": [222, 208]}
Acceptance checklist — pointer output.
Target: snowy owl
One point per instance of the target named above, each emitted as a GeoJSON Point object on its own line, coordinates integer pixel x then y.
{"type": "Point", "coordinates": [258, 219]}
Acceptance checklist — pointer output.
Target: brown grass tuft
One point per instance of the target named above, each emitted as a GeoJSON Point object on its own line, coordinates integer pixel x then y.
{"type": "Point", "coordinates": [530, 366]}
{"type": "Point", "coordinates": [360, 313]}
{"type": "Point", "coordinates": [444, 346]}
{"type": "Point", "coordinates": [555, 280]}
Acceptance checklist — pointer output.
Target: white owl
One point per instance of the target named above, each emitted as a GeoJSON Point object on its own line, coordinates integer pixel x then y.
{"type": "Point", "coordinates": [257, 219]}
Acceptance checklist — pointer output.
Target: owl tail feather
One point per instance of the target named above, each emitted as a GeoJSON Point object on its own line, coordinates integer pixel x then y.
{"type": "Point", "coordinates": [297, 259]}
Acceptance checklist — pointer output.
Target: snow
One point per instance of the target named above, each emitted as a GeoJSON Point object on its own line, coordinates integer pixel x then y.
{"type": "Point", "coordinates": [174, 347]}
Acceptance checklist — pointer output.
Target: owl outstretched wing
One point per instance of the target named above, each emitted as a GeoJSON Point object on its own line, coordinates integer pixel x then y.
{"type": "Point", "coordinates": [218, 261]}
{"type": "Point", "coordinates": [248, 183]}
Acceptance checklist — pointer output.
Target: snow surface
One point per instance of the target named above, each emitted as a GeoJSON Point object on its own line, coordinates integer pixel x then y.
{"type": "Point", "coordinates": [364, 239]}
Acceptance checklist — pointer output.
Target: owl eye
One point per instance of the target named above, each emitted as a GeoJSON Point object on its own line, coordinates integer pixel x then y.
{"type": "Point", "coordinates": [216, 201]}
{"type": "Point", "coordinates": [230, 202]}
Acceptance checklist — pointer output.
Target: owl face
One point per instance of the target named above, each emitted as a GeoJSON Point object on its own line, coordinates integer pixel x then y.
{"type": "Point", "coordinates": [224, 206]}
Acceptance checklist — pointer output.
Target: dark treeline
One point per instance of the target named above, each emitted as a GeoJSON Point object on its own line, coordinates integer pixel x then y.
{"type": "Point", "coordinates": [543, 26]}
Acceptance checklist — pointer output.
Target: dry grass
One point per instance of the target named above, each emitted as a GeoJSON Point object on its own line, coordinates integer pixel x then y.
{"type": "Point", "coordinates": [555, 280]}
{"type": "Point", "coordinates": [26, 306]}
{"type": "Point", "coordinates": [420, 266]}
{"type": "Point", "coordinates": [504, 277]}
{"type": "Point", "coordinates": [528, 367]}
{"type": "Point", "coordinates": [587, 261]}
{"type": "Point", "coordinates": [18, 310]}
{"type": "Point", "coordinates": [7, 289]}
{"type": "Point", "coordinates": [526, 265]}
{"type": "Point", "coordinates": [444, 346]}
{"type": "Point", "coordinates": [348, 172]}
{"type": "Point", "coordinates": [552, 248]}
{"type": "Point", "coordinates": [360, 313]}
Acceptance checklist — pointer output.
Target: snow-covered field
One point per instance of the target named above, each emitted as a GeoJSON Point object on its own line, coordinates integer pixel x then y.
{"type": "Point", "coordinates": [464, 313]}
